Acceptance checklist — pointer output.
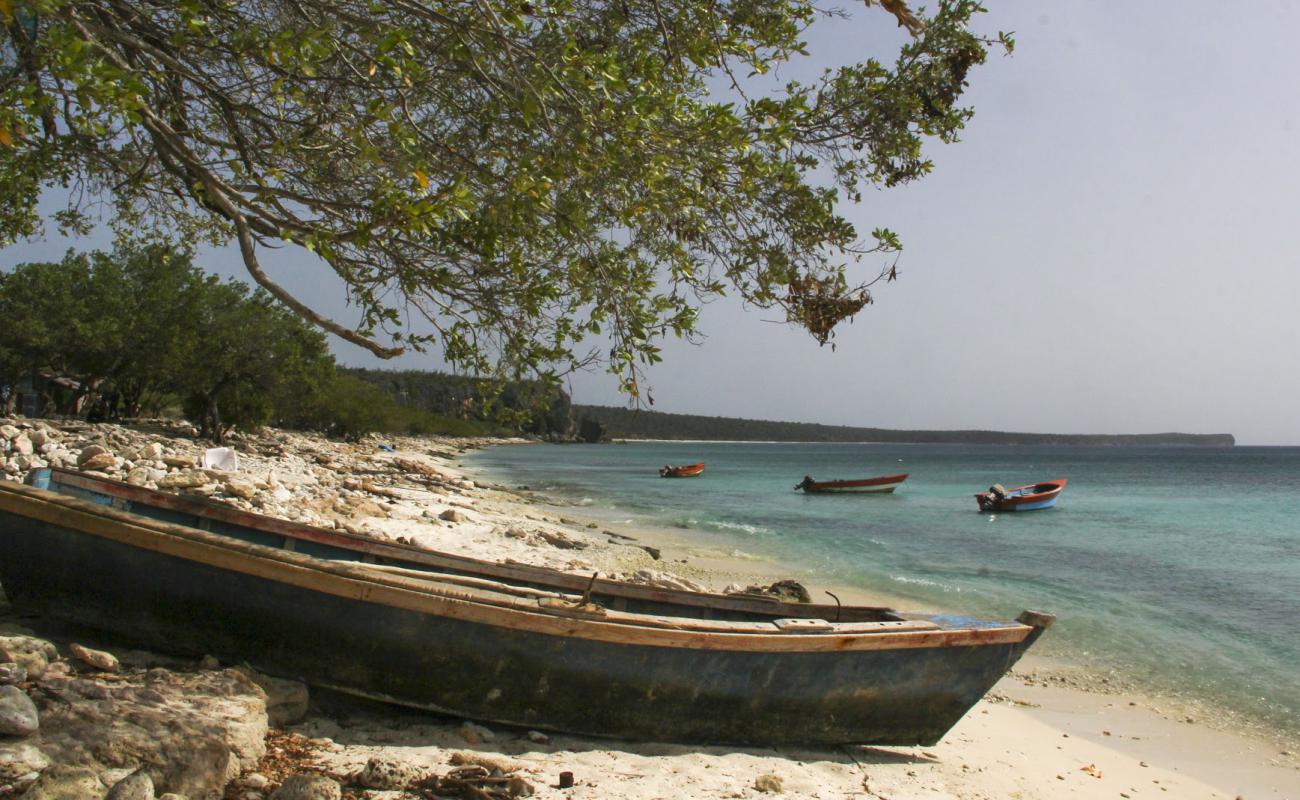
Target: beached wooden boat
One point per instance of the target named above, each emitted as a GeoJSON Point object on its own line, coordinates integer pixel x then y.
{"type": "Point", "coordinates": [490, 649]}
{"type": "Point", "coordinates": [878, 485]}
{"type": "Point", "coordinates": [684, 471]}
{"type": "Point", "coordinates": [1021, 498]}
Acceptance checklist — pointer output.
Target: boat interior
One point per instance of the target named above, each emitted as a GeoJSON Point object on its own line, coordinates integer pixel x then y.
{"type": "Point", "coordinates": [509, 583]}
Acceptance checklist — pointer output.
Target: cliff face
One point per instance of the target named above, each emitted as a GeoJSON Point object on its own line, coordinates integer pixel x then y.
{"type": "Point", "coordinates": [622, 423]}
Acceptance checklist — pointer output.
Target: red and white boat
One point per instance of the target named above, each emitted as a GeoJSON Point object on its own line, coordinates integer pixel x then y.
{"type": "Point", "coordinates": [879, 485]}
{"type": "Point", "coordinates": [1021, 498]}
{"type": "Point", "coordinates": [684, 471]}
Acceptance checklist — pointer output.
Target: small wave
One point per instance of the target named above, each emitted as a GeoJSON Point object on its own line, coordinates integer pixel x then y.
{"type": "Point", "coordinates": [926, 582]}
{"type": "Point", "coordinates": [740, 526]}
{"type": "Point", "coordinates": [586, 501]}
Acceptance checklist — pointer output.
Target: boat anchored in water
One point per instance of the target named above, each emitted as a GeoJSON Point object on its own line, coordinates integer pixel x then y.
{"type": "Point", "coordinates": [877, 485]}
{"type": "Point", "coordinates": [684, 471]}
{"type": "Point", "coordinates": [1021, 498]}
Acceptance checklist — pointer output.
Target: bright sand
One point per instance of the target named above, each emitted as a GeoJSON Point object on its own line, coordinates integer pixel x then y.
{"type": "Point", "coordinates": [1035, 736]}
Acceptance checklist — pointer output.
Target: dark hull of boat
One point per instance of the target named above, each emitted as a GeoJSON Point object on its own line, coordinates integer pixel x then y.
{"type": "Point", "coordinates": [285, 614]}
{"type": "Point", "coordinates": [881, 485]}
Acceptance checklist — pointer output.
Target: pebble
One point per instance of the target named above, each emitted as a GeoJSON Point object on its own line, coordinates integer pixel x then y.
{"type": "Point", "coordinates": [537, 737]}
{"type": "Point", "coordinates": [476, 734]}
{"type": "Point", "coordinates": [95, 658]}
{"type": "Point", "coordinates": [136, 786]}
{"type": "Point", "coordinates": [11, 673]}
{"type": "Point", "coordinates": [308, 787]}
{"type": "Point", "coordinates": [18, 715]}
{"type": "Point", "coordinates": [386, 773]}
{"type": "Point", "coordinates": [769, 783]}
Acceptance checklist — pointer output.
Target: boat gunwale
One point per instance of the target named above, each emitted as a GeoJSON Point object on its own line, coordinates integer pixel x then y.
{"type": "Point", "coordinates": [353, 581]}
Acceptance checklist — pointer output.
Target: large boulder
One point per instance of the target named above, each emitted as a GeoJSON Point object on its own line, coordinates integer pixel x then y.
{"type": "Point", "coordinates": [193, 732]}
{"type": "Point", "coordinates": [18, 715]}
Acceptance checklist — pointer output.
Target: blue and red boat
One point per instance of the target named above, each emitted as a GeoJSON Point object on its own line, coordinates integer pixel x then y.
{"type": "Point", "coordinates": [1022, 498]}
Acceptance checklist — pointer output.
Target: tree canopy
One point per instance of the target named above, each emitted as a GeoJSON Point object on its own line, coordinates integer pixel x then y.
{"type": "Point", "coordinates": [519, 175]}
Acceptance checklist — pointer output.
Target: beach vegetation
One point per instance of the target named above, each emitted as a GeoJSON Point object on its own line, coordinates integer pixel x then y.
{"type": "Point", "coordinates": [505, 181]}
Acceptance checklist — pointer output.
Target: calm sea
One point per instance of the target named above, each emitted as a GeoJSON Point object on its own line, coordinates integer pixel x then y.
{"type": "Point", "coordinates": [1176, 567]}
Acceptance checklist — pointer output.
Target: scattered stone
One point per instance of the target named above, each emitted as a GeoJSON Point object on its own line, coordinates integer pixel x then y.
{"type": "Point", "coordinates": [654, 552]}
{"type": "Point", "coordinates": [505, 766]}
{"type": "Point", "coordinates": [188, 479]}
{"type": "Point", "coordinates": [769, 783]}
{"type": "Point", "coordinates": [240, 487]}
{"type": "Point", "coordinates": [11, 673]}
{"type": "Point", "coordinates": [101, 462]}
{"type": "Point", "coordinates": [65, 782]}
{"type": "Point", "coordinates": [18, 714]}
{"type": "Point", "coordinates": [95, 658]}
{"type": "Point", "coordinates": [557, 539]}
{"type": "Point", "coordinates": [23, 446]}
{"type": "Point", "coordinates": [136, 786]}
{"type": "Point", "coordinates": [476, 734]}
{"type": "Point", "coordinates": [19, 758]}
{"type": "Point", "coordinates": [788, 591]}
{"type": "Point", "coordinates": [452, 515]}
{"type": "Point", "coordinates": [386, 773]}
{"type": "Point", "coordinates": [286, 700]}
{"type": "Point", "coordinates": [308, 787]}
{"type": "Point", "coordinates": [537, 737]}
{"type": "Point", "coordinates": [91, 451]}
{"type": "Point", "coordinates": [254, 780]}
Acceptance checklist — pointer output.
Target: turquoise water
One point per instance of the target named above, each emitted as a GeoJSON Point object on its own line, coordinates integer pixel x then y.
{"type": "Point", "coordinates": [1177, 567]}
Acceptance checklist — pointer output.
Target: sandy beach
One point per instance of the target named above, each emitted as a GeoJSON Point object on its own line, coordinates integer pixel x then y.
{"type": "Point", "coordinates": [1047, 730]}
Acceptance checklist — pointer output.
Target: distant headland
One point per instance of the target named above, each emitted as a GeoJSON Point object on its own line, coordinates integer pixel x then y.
{"type": "Point", "coordinates": [623, 423]}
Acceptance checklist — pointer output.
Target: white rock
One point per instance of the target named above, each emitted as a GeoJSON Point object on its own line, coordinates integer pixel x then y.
{"type": "Point", "coordinates": [91, 451]}
{"type": "Point", "coordinates": [476, 734]}
{"type": "Point", "coordinates": [308, 787]}
{"type": "Point", "coordinates": [18, 715]}
{"type": "Point", "coordinates": [136, 786]}
{"type": "Point", "coordinates": [387, 773]}
{"type": "Point", "coordinates": [22, 445]}
{"type": "Point", "coordinates": [95, 658]}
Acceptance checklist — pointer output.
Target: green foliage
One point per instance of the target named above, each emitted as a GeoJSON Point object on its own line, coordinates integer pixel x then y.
{"type": "Point", "coordinates": [349, 407]}
{"type": "Point", "coordinates": [519, 406]}
{"type": "Point", "coordinates": [523, 176]}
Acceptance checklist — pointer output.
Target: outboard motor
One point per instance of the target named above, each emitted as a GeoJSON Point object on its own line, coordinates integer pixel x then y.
{"type": "Point", "coordinates": [999, 491]}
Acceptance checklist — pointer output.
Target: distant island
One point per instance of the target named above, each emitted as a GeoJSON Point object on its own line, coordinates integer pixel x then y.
{"type": "Point", "coordinates": [623, 423]}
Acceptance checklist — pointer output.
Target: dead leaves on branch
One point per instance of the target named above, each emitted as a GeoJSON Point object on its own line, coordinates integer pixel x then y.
{"type": "Point", "coordinates": [819, 304]}
{"type": "Point", "coordinates": [904, 15]}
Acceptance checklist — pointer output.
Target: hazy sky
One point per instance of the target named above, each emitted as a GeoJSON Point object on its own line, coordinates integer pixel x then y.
{"type": "Point", "coordinates": [1112, 248]}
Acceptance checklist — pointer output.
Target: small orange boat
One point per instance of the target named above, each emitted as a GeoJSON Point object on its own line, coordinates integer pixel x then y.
{"type": "Point", "coordinates": [684, 471]}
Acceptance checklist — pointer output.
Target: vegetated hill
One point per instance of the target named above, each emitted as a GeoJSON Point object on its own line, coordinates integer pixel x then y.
{"type": "Point", "coordinates": [525, 406]}
{"type": "Point", "coordinates": [623, 423]}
